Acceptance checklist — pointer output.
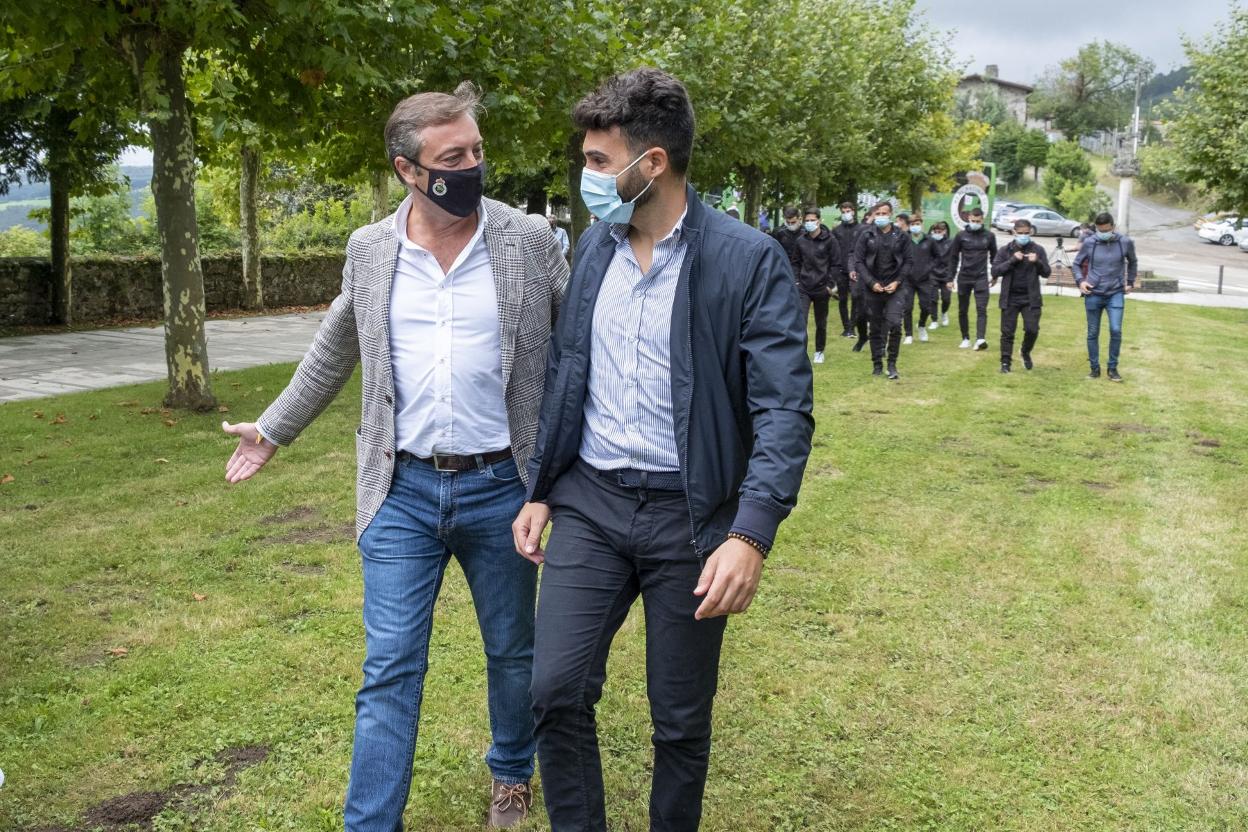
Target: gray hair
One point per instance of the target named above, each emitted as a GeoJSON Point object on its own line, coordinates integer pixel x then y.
{"type": "Point", "coordinates": [427, 109]}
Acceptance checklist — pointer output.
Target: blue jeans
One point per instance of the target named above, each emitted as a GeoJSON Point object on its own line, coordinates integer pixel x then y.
{"type": "Point", "coordinates": [1113, 304]}
{"type": "Point", "coordinates": [427, 516]}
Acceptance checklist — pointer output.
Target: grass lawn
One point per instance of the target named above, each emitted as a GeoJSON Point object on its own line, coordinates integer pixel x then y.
{"type": "Point", "coordinates": [1004, 603]}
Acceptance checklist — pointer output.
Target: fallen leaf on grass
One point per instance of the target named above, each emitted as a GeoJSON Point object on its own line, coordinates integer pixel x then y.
{"type": "Point", "coordinates": [94, 416]}
{"type": "Point", "coordinates": [118, 652]}
{"type": "Point", "coordinates": [170, 422]}
{"type": "Point", "coordinates": [38, 414]}
{"type": "Point", "coordinates": [223, 409]}
{"type": "Point", "coordinates": [147, 411]}
{"type": "Point", "coordinates": [128, 404]}
{"type": "Point", "coordinates": [198, 597]}
{"type": "Point", "coordinates": [162, 461]}
{"type": "Point", "coordinates": [6, 479]}
{"type": "Point", "coordinates": [60, 419]}
{"type": "Point", "coordinates": [180, 503]}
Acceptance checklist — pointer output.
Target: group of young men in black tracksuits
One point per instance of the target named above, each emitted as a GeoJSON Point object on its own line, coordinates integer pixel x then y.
{"type": "Point", "coordinates": [879, 267]}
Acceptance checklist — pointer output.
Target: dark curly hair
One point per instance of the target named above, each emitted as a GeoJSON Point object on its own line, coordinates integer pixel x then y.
{"type": "Point", "coordinates": [650, 107]}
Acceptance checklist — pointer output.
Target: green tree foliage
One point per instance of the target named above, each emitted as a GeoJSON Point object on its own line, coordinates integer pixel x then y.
{"type": "Point", "coordinates": [1082, 201]}
{"type": "Point", "coordinates": [1033, 151]}
{"type": "Point", "coordinates": [1162, 171]}
{"type": "Point", "coordinates": [1002, 147]}
{"type": "Point", "coordinates": [63, 125]}
{"type": "Point", "coordinates": [1211, 131]}
{"type": "Point", "coordinates": [981, 105]}
{"type": "Point", "coordinates": [1067, 164]}
{"type": "Point", "coordinates": [1093, 90]}
{"type": "Point", "coordinates": [20, 241]}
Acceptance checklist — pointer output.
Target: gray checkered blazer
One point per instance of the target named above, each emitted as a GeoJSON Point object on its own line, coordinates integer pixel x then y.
{"type": "Point", "coordinates": [530, 277]}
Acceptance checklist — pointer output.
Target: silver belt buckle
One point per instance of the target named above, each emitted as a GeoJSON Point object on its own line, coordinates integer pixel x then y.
{"type": "Point", "coordinates": [437, 465]}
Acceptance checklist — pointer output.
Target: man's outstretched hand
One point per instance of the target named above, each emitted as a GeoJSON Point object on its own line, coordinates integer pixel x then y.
{"type": "Point", "coordinates": [250, 455]}
{"type": "Point", "coordinates": [729, 579]}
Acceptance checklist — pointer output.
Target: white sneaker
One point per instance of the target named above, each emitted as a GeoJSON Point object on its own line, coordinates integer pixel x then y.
{"type": "Point", "coordinates": [944, 320]}
{"type": "Point", "coordinates": [981, 344]}
{"type": "Point", "coordinates": [965, 345]}
{"type": "Point", "coordinates": [923, 335]}
{"type": "Point", "coordinates": [818, 358]}
{"type": "Point", "coordinates": [909, 339]}
{"type": "Point", "coordinates": [934, 325]}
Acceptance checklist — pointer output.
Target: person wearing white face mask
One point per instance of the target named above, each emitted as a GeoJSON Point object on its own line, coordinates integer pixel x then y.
{"type": "Point", "coordinates": [1020, 265]}
{"type": "Point", "coordinates": [970, 258]}
{"type": "Point", "coordinates": [675, 430]}
{"type": "Point", "coordinates": [818, 266]}
{"type": "Point", "coordinates": [1107, 266]}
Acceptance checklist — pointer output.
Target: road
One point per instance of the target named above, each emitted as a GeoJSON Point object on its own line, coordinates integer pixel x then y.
{"type": "Point", "coordinates": [1166, 243]}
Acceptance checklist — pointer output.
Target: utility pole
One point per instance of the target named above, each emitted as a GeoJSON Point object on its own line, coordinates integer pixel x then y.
{"type": "Point", "coordinates": [1127, 165]}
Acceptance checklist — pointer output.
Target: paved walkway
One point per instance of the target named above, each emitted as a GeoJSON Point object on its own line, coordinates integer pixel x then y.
{"type": "Point", "coordinates": [46, 365]}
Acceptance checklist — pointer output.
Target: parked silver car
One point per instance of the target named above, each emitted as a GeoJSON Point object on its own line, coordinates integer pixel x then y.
{"type": "Point", "coordinates": [1046, 223]}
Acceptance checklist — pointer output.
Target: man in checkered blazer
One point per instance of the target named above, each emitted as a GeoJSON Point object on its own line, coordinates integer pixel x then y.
{"type": "Point", "coordinates": [448, 305]}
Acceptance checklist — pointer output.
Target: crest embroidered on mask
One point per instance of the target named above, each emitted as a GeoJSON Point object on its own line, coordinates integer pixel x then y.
{"type": "Point", "coordinates": [439, 187]}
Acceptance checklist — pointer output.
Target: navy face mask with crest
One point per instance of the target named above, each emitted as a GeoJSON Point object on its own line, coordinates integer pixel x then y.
{"type": "Point", "coordinates": [457, 192]}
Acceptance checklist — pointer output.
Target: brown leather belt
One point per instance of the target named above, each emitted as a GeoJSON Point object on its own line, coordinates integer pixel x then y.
{"type": "Point", "coordinates": [452, 463]}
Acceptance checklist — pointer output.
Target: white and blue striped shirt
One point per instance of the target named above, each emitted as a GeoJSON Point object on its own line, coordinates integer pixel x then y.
{"type": "Point", "coordinates": [628, 409]}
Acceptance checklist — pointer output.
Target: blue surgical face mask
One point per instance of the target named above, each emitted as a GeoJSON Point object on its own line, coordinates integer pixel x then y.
{"type": "Point", "coordinates": [1022, 239]}
{"type": "Point", "coordinates": [974, 226]}
{"type": "Point", "coordinates": [937, 236]}
{"type": "Point", "coordinates": [602, 196]}
{"type": "Point", "coordinates": [883, 222]}
{"type": "Point", "coordinates": [916, 230]}
{"type": "Point", "coordinates": [848, 216]}
{"type": "Point", "coordinates": [810, 226]}
{"type": "Point", "coordinates": [1104, 236]}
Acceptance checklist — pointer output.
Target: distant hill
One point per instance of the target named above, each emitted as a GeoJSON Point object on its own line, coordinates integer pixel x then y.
{"type": "Point", "coordinates": [27, 196]}
{"type": "Point", "coordinates": [1162, 87]}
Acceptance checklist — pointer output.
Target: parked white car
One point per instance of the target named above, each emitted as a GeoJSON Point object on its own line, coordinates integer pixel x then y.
{"type": "Point", "coordinates": [1225, 231]}
{"type": "Point", "coordinates": [1243, 244]}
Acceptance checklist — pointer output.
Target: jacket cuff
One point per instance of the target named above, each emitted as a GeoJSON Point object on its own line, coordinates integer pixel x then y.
{"type": "Point", "coordinates": [271, 433]}
{"type": "Point", "coordinates": [757, 520]}
{"type": "Point", "coordinates": [531, 494]}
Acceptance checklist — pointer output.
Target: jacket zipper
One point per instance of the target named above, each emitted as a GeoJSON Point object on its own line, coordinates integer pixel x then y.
{"type": "Point", "coordinates": [684, 461]}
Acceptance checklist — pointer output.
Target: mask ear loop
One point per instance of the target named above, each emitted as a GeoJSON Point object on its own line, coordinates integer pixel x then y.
{"type": "Point", "coordinates": [621, 173]}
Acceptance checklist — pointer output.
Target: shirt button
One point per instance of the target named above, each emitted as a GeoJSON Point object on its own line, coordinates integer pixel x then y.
{"type": "Point", "coordinates": [637, 294]}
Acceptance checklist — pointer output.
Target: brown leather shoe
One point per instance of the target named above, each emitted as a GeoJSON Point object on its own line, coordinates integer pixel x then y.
{"type": "Point", "coordinates": [509, 804]}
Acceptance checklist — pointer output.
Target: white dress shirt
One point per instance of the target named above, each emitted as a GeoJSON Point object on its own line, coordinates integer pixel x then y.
{"type": "Point", "coordinates": [445, 349]}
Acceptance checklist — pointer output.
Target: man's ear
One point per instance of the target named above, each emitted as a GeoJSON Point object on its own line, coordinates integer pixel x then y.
{"type": "Point", "coordinates": [409, 173]}
{"type": "Point", "coordinates": [657, 162]}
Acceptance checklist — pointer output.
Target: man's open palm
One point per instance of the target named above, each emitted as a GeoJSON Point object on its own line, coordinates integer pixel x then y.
{"type": "Point", "coordinates": [250, 455]}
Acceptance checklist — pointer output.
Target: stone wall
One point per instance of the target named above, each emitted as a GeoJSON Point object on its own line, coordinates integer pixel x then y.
{"type": "Point", "coordinates": [108, 288]}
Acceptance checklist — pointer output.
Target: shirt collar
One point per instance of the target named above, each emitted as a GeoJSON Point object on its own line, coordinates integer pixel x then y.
{"type": "Point", "coordinates": [619, 230]}
{"type": "Point", "coordinates": [400, 224]}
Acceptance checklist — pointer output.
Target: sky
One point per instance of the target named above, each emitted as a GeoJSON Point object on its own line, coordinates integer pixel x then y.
{"type": "Point", "coordinates": [1025, 38]}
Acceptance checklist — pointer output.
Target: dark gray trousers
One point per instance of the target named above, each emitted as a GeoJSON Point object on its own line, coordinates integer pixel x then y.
{"type": "Point", "coordinates": [608, 545]}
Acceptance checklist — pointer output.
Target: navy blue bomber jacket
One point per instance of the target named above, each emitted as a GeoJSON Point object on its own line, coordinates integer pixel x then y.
{"type": "Point", "coordinates": [741, 379]}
